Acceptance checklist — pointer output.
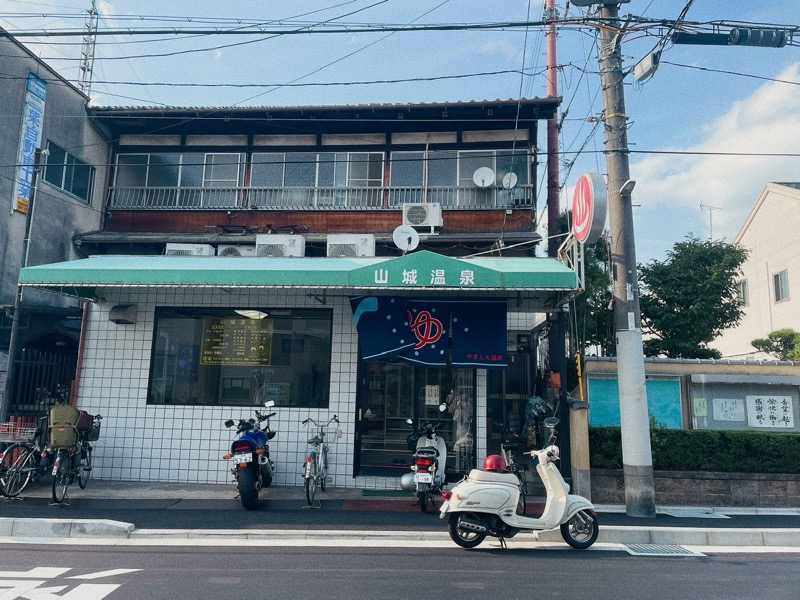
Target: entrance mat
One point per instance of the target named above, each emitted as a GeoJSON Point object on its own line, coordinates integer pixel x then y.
{"type": "Point", "coordinates": [386, 493]}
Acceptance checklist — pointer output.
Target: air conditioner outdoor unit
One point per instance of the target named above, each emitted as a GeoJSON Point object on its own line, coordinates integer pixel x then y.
{"type": "Point", "coordinates": [422, 215]}
{"type": "Point", "coordinates": [351, 244]}
{"type": "Point", "coordinates": [271, 244]}
{"type": "Point", "coordinates": [236, 250]}
{"type": "Point", "coordinates": [190, 250]}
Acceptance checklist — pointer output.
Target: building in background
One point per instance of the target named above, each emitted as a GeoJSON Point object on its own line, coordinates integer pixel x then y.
{"type": "Point", "coordinates": [42, 211]}
{"type": "Point", "coordinates": [770, 285]}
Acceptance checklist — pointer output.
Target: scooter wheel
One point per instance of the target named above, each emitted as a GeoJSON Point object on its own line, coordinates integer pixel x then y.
{"type": "Point", "coordinates": [581, 530]}
{"type": "Point", "coordinates": [464, 538]}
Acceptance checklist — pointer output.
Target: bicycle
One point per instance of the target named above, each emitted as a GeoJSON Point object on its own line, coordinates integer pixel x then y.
{"type": "Point", "coordinates": [511, 443]}
{"type": "Point", "coordinates": [23, 459]}
{"type": "Point", "coordinates": [73, 462]}
{"type": "Point", "coordinates": [315, 468]}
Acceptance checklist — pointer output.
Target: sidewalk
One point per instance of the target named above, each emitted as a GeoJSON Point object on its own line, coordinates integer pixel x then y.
{"type": "Point", "coordinates": [712, 533]}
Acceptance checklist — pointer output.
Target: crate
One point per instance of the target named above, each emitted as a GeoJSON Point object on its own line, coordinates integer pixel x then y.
{"type": "Point", "coordinates": [11, 432]}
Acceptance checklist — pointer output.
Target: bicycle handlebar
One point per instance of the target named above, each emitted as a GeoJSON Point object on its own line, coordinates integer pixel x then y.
{"type": "Point", "coordinates": [333, 419]}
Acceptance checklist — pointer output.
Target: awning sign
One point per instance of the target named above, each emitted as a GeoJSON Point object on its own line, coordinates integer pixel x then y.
{"type": "Point", "coordinates": [29, 139]}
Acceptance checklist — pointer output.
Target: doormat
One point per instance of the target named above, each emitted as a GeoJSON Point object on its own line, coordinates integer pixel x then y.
{"type": "Point", "coordinates": [385, 493]}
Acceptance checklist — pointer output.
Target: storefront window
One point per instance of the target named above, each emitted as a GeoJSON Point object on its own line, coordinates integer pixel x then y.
{"type": "Point", "coordinates": [246, 357]}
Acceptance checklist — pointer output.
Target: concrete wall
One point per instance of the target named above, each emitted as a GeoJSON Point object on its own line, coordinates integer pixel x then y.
{"type": "Point", "coordinates": [57, 215]}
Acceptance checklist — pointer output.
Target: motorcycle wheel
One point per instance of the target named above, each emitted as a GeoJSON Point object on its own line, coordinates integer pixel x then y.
{"type": "Point", "coordinates": [581, 530]}
{"type": "Point", "coordinates": [247, 488]}
{"type": "Point", "coordinates": [465, 539]}
{"type": "Point", "coordinates": [422, 500]}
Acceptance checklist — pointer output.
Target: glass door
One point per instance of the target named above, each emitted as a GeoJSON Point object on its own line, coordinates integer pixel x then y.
{"type": "Point", "coordinates": [391, 392]}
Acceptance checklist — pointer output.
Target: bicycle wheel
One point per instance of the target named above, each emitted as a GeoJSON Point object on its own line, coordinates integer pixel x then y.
{"type": "Point", "coordinates": [522, 505]}
{"type": "Point", "coordinates": [86, 471]}
{"type": "Point", "coordinates": [61, 477]}
{"type": "Point", "coordinates": [323, 468]}
{"type": "Point", "coordinates": [311, 482]}
{"type": "Point", "coordinates": [16, 469]}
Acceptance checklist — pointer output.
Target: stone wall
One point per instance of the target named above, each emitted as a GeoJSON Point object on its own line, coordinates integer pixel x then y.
{"type": "Point", "coordinates": [695, 488]}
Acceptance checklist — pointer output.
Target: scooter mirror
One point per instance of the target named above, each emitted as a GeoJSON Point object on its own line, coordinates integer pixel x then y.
{"type": "Point", "coordinates": [269, 403]}
{"type": "Point", "coordinates": [229, 423]}
{"type": "Point", "coordinates": [442, 407]}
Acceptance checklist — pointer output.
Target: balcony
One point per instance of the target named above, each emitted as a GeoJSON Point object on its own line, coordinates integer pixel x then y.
{"type": "Point", "coordinates": [317, 198]}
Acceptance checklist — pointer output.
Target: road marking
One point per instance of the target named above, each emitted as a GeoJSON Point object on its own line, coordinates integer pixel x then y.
{"type": "Point", "coordinates": [101, 574]}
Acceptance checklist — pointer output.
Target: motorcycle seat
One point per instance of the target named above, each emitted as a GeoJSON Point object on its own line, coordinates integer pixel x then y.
{"type": "Point", "coordinates": [493, 477]}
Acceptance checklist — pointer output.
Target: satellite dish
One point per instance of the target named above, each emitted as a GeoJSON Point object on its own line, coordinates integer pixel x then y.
{"type": "Point", "coordinates": [483, 177]}
{"type": "Point", "coordinates": [509, 180]}
{"type": "Point", "coordinates": [405, 237]}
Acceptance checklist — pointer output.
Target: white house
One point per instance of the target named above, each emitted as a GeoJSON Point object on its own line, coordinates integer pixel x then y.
{"type": "Point", "coordinates": [770, 286]}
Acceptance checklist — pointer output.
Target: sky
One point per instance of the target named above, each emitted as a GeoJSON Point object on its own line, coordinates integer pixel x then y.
{"type": "Point", "coordinates": [707, 131]}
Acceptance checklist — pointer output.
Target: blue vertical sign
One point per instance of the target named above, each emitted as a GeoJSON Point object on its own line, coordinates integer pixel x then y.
{"type": "Point", "coordinates": [30, 137]}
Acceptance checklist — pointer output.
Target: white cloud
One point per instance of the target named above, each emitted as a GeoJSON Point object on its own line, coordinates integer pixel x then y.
{"type": "Point", "coordinates": [671, 188]}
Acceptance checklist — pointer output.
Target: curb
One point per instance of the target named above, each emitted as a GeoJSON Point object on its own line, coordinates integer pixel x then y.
{"type": "Point", "coordinates": [55, 529]}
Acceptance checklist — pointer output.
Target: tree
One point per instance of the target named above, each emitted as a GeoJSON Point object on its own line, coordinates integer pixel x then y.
{"type": "Point", "coordinates": [690, 298]}
{"type": "Point", "coordinates": [783, 343]}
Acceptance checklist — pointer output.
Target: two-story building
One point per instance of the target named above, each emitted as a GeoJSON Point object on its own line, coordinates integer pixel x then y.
{"type": "Point", "coordinates": [47, 197]}
{"type": "Point", "coordinates": [363, 261]}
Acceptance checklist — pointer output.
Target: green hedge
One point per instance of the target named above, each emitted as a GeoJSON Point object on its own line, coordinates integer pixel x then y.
{"type": "Point", "coordinates": [703, 450]}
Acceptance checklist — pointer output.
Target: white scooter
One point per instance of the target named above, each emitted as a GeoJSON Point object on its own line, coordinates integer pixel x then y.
{"type": "Point", "coordinates": [428, 462]}
{"type": "Point", "coordinates": [485, 503]}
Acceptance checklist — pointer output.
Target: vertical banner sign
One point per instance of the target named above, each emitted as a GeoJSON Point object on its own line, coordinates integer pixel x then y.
{"type": "Point", "coordinates": [30, 137]}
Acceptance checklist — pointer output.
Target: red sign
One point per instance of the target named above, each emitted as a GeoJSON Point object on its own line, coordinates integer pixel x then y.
{"type": "Point", "coordinates": [589, 208]}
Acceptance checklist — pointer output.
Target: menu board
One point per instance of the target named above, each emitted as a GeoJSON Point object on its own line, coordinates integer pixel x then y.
{"type": "Point", "coordinates": [234, 341]}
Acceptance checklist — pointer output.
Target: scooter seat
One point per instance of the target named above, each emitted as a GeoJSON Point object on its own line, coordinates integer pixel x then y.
{"type": "Point", "coordinates": [493, 477]}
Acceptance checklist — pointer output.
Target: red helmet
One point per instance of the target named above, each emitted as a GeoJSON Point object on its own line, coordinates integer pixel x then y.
{"type": "Point", "coordinates": [494, 462]}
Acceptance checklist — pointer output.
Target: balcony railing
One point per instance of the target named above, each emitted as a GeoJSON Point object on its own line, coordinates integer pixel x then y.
{"type": "Point", "coordinates": [315, 198]}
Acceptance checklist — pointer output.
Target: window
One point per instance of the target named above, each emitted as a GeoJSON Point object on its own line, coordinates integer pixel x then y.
{"type": "Point", "coordinates": [204, 356]}
{"type": "Point", "coordinates": [69, 173]}
{"type": "Point", "coordinates": [780, 282]}
{"type": "Point", "coordinates": [742, 293]}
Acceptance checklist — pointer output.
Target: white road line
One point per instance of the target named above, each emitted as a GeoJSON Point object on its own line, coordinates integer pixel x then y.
{"type": "Point", "coordinates": [101, 574]}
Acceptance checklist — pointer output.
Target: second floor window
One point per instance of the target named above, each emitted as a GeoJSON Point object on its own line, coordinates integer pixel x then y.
{"type": "Point", "coordinates": [742, 293]}
{"type": "Point", "coordinates": [69, 173]}
{"type": "Point", "coordinates": [780, 283]}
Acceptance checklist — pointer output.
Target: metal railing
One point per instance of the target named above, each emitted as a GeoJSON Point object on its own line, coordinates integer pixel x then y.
{"type": "Point", "coordinates": [316, 198]}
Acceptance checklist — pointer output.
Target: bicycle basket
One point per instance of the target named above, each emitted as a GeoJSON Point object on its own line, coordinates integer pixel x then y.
{"type": "Point", "coordinates": [94, 432]}
{"type": "Point", "coordinates": [11, 432]}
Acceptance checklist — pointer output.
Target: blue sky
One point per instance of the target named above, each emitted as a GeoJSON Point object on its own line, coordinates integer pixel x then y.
{"type": "Point", "coordinates": [701, 101]}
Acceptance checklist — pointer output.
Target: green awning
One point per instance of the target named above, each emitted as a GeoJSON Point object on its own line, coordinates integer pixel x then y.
{"type": "Point", "coordinates": [421, 271]}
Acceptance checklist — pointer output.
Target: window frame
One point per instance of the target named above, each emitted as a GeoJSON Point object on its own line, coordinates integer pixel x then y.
{"type": "Point", "coordinates": [780, 286]}
{"type": "Point", "coordinates": [66, 171]}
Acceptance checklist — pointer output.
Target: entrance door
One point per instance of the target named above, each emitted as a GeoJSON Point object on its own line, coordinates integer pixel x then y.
{"type": "Point", "coordinates": [391, 392]}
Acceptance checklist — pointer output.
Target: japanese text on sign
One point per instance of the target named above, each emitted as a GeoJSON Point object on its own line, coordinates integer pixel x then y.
{"type": "Point", "coordinates": [243, 342]}
{"type": "Point", "coordinates": [770, 411]}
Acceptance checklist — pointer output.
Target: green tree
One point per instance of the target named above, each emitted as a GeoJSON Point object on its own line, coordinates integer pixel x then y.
{"type": "Point", "coordinates": [690, 298]}
{"type": "Point", "coordinates": [783, 343]}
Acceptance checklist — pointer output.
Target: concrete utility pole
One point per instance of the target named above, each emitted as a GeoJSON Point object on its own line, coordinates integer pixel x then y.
{"type": "Point", "coordinates": [637, 458]}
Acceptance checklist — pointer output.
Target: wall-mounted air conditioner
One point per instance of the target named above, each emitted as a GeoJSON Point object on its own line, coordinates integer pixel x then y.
{"type": "Point", "coordinates": [351, 244]}
{"type": "Point", "coordinates": [271, 244]}
{"type": "Point", "coordinates": [236, 250]}
{"type": "Point", "coordinates": [427, 214]}
{"type": "Point", "coordinates": [190, 250]}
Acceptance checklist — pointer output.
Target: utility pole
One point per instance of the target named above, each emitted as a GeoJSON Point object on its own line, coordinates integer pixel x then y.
{"type": "Point", "coordinates": [637, 458]}
{"type": "Point", "coordinates": [557, 336]}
